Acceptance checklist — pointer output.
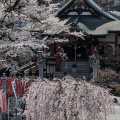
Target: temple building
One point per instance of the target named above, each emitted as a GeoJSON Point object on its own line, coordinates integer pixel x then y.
{"type": "Point", "coordinates": [101, 30]}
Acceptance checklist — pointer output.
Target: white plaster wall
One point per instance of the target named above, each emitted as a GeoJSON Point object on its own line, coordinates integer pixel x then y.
{"type": "Point", "coordinates": [86, 13]}
{"type": "Point", "coordinates": [109, 38]}
{"type": "Point", "coordinates": [83, 13]}
{"type": "Point", "coordinates": [72, 13]}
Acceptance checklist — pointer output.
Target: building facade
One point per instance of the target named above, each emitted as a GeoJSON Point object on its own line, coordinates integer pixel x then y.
{"type": "Point", "coordinates": [100, 29]}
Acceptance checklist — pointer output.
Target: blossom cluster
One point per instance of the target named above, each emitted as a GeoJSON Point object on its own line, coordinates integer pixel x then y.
{"type": "Point", "coordinates": [67, 99]}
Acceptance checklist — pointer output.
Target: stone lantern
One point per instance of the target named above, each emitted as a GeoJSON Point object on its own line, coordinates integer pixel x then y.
{"type": "Point", "coordinates": [41, 64]}
{"type": "Point", "coordinates": [41, 61]}
{"type": "Point", "coordinates": [94, 63]}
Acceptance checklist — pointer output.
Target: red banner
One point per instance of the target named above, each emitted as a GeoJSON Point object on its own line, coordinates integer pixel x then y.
{"type": "Point", "coordinates": [3, 102]}
{"type": "Point", "coordinates": [9, 86]}
{"type": "Point", "coordinates": [19, 87]}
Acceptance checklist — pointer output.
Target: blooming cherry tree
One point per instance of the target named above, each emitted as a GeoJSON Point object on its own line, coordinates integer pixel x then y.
{"type": "Point", "coordinates": [22, 25]}
{"type": "Point", "coordinates": [67, 99]}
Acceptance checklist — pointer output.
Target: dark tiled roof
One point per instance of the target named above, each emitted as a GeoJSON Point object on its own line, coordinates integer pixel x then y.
{"type": "Point", "coordinates": [89, 3]}
{"type": "Point", "coordinates": [91, 25]}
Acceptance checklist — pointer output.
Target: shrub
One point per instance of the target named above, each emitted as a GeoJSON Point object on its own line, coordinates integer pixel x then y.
{"type": "Point", "coordinates": [115, 89]}
{"type": "Point", "coordinates": [107, 75]}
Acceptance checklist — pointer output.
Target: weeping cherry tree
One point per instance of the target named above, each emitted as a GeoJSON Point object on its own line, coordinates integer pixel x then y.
{"type": "Point", "coordinates": [67, 99]}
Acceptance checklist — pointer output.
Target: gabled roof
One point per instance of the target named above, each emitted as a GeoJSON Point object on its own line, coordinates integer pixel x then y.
{"type": "Point", "coordinates": [89, 3]}
{"type": "Point", "coordinates": [89, 24]}
{"type": "Point", "coordinates": [93, 5]}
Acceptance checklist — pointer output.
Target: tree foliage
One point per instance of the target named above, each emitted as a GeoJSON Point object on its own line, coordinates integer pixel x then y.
{"type": "Point", "coordinates": [22, 25]}
{"type": "Point", "coordinates": [67, 99]}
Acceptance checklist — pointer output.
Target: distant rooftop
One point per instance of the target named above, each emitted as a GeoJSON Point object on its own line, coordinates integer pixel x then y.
{"type": "Point", "coordinates": [116, 2]}
{"type": "Point", "coordinates": [116, 14]}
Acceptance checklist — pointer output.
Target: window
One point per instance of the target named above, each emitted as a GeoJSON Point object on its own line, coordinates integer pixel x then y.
{"type": "Point", "coordinates": [105, 50]}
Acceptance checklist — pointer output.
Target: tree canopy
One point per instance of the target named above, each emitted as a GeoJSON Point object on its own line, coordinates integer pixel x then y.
{"type": "Point", "coordinates": [22, 25]}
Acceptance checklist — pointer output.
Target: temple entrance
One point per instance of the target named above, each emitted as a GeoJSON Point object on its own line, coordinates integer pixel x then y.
{"type": "Point", "coordinates": [80, 52]}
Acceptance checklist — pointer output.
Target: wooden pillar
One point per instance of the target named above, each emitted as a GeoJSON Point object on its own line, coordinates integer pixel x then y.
{"type": "Point", "coordinates": [57, 58]}
{"type": "Point", "coordinates": [92, 49]}
{"type": "Point", "coordinates": [116, 44]}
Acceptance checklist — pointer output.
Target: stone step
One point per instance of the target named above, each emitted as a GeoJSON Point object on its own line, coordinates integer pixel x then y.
{"type": "Point", "coordinates": [78, 63]}
{"type": "Point", "coordinates": [84, 66]}
{"type": "Point", "coordinates": [75, 75]}
{"type": "Point", "coordinates": [78, 69]}
{"type": "Point", "coordinates": [82, 69]}
{"type": "Point", "coordinates": [72, 64]}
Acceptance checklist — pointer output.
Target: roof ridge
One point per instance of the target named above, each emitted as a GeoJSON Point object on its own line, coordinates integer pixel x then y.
{"type": "Point", "coordinates": [90, 3]}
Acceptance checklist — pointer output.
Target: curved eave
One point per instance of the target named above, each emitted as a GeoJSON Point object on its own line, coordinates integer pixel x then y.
{"type": "Point", "coordinates": [87, 32]}
{"type": "Point", "coordinates": [78, 29]}
{"type": "Point", "coordinates": [103, 29]}
{"type": "Point", "coordinates": [64, 7]}
{"type": "Point", "coordinates": [93, 5]}
{"type": "Point", "coordinates": [113, 26]}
